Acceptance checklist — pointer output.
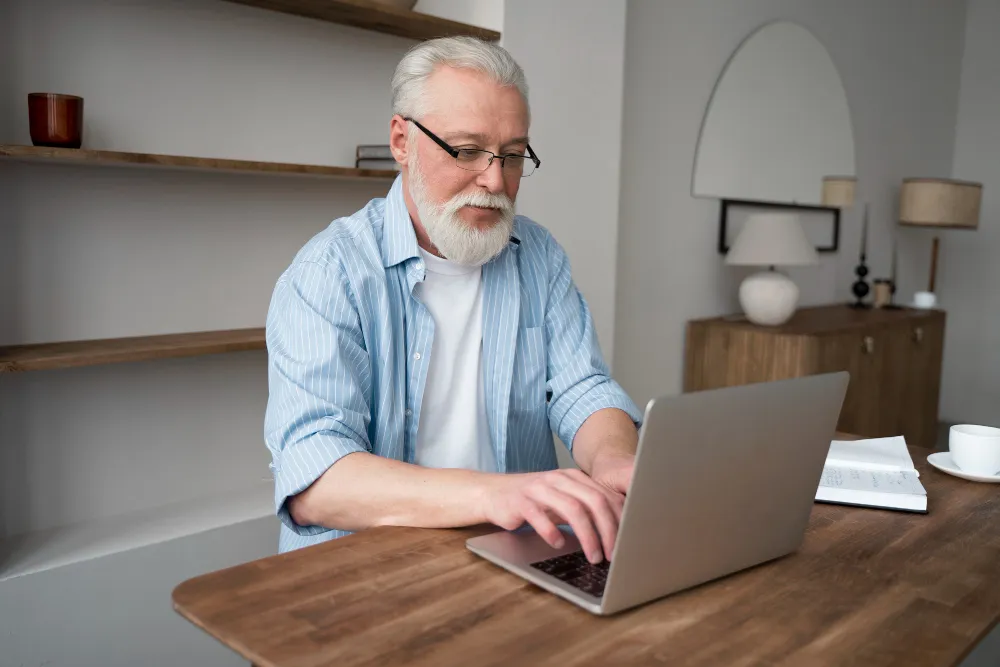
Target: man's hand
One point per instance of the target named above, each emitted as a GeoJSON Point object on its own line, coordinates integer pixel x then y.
{"type": "Point", "coordinates": [544, 499]}
{"type": "Point", "coordinates": [613, 470]}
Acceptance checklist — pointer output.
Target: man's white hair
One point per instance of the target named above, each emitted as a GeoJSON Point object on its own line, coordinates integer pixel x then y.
{"type": "Point", "coordinates": [412, 72]}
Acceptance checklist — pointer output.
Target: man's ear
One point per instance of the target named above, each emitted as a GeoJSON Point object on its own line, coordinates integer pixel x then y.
{"type": "Point", "coordinates": [399, 131]}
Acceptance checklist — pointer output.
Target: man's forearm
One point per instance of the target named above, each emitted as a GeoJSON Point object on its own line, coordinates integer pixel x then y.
{"type": "Point", "coordinates": [607, 432]}
{"type": "Point", "coordinates": [363, 490]}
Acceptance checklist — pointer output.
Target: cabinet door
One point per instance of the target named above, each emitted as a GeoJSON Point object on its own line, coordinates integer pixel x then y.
{"type": "Point", "coordinates": [858, 353]}
{"type": "Point", "coordinates": [919, 412]}
{"type": "Point", "coordinates": [722, 356]}
{"type": "Point", "coordinates": [895, 378]}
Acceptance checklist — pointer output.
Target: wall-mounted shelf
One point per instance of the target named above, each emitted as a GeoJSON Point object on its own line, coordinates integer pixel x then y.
{"type": "Point", "coordinates": [84, 156]}
{"type": "Point", "coordinates": [49, 356]}
{"type": "Point", "coordinates": [45, 550]}
{"type": "Point", "coordinates": [379, 18]}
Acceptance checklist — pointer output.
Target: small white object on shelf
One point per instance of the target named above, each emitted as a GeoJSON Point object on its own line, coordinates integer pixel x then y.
{"type": "Point", "coordinates": [770, 239]}
{"type": "Point", "coordinates": [877, 472]}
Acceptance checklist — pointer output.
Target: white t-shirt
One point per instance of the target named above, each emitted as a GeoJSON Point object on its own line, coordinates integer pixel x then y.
{"type": "Point", "coordinates": [453, 431]}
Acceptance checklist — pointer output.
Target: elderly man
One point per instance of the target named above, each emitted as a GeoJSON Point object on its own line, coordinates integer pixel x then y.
{"type": "Point", "coordinates": [422, 350]}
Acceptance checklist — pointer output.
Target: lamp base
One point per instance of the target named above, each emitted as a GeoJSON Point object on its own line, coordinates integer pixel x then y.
{"type": "Point", "coordinates": [768, 298]}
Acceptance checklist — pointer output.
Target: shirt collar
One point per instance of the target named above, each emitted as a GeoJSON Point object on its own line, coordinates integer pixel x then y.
{"type": "Point", "coordinates": [399, 240]}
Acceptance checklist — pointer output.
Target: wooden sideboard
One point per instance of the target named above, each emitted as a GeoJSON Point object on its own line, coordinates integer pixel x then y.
{"type": "Point", "coordinates": [893, 356]}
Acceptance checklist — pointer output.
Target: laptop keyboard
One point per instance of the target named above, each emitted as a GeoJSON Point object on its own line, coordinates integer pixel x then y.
{"type": "Point", "coordinates": [577, 571]}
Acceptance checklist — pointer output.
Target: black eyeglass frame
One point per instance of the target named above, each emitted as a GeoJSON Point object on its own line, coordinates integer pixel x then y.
{"type": "Point", "coordinates": [455, 151]}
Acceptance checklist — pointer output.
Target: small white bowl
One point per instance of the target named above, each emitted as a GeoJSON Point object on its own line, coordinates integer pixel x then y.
{"type": "Point", "coordinates": [924, 300]}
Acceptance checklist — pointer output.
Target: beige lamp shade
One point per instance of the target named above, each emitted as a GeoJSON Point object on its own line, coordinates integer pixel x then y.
{"type": "Point", "coordinates": [772, 239]}
{"type": "Point", "coordinates": [940, 202]}
{"type": "Point", "coordinates": [838, 191]}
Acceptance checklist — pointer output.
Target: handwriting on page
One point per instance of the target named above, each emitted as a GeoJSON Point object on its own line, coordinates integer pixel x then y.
{"type": "Point", "coordinates": [869, 480]}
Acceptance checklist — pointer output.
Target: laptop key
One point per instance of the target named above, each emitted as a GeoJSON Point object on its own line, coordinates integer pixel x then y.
{"type": "Point", "coordinates": [577, 571]}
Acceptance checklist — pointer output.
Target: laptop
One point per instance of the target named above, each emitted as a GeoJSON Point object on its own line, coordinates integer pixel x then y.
{"type": "Point", "coordinates": [724, 480]}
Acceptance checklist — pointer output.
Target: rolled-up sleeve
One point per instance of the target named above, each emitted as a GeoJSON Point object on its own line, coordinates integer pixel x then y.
{"type": "Point", "coordinates": [318, 379]}
{"type": "Point", "coordinates": [579, 379]}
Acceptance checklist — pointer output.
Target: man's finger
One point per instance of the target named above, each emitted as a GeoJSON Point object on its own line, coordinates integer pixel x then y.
{"type": "Point", "coordinates": [615, 500]}
{"type": "Point", "coordinates": [575, 514]}
{"type": "Point", "coordinates": [544, 526]}
{"type": "Point", "coordinates": [599, 507]}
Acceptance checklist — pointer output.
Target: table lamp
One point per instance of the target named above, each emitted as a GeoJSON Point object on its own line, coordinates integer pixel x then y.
{"type": "Point", "coordinates": [770, 239]}
{"type": "Point", "coordinates": [938, 203]}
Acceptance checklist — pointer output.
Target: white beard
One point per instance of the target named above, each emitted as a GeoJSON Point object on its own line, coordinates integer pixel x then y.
{"type": "Point", "coordinates": [453, 238]}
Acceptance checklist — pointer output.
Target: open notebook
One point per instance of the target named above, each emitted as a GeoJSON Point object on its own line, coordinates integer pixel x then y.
{"type": "Point", "coordinates": [872, 473]}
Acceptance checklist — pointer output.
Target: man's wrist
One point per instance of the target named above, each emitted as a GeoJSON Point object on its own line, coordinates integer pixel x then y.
{"type": "Point", "coordinates": [607, 432]}
{"type": "Point", "coordinates": [486, 486]}
{"type": "Point", "coordinates": [610, 454]}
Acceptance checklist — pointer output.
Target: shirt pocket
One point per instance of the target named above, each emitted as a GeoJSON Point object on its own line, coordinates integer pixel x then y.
{"type": "Point", "coordinates": [530, 363]}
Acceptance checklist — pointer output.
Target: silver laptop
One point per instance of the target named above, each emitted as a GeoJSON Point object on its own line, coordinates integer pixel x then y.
{"type": "Point", "coordinates": [724, 480]}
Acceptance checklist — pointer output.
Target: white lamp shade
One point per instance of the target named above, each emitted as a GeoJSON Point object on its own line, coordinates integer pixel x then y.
{"type": "Point", "coordinates": [772, 239]}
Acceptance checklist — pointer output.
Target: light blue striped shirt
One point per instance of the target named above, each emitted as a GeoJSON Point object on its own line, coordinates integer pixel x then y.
{"type": "Point", "coordinates": [349, 344]}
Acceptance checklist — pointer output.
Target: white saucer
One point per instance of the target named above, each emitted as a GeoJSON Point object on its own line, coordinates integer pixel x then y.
{"type": "Point", "coordinates": [942, 461]}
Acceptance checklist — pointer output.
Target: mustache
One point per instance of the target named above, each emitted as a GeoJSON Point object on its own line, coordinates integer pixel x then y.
{"type": "Point", "coordinates": [481, 199]}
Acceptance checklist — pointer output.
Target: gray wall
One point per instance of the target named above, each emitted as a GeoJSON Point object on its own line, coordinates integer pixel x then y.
{"type": "Point", "coordinates": [899, 61]}
{"type": "Point", "coordinates": [575, 74]}
{"type": "Point", "coordinates": [7, 70]}
{"type": "Point", "coordinates": [969, 262]}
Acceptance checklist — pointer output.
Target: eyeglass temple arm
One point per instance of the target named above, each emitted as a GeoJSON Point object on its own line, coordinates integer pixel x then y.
{"type": "Point", "coordinates": [440, 142]}
{"type": "Point", "coordinates": [533, 157]}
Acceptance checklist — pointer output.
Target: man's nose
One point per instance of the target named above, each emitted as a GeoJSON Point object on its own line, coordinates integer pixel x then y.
{"type": "Point", "coordinates": [492, 177]}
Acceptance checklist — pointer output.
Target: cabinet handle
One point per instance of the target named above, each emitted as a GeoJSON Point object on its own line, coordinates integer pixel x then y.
{"type": "Point", "coordinates": [869, 345]}
{"type": "Point", "coordinates": [918, 335]}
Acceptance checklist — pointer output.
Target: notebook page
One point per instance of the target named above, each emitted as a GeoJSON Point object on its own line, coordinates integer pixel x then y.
{"type": "Point", "coordinates": [878, 481]}
{"type": "Point", "coordinates": [873, 454]}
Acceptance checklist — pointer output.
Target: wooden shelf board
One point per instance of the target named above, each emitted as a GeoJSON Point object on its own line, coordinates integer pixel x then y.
{"type": "Point", "coordinates": [378, 18]}
{"type": "Point", "coordinates": [84, 156]}
{"type": "Point", "coordinates": [47, 356]}
{"type": "Point", "coordinates": [45, 550]}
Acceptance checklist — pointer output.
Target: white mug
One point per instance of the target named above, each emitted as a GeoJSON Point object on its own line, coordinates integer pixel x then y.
{"type": "Point", "coordinates": [975, 449]}
{"type": "Point", "coordinates": [924, 299]}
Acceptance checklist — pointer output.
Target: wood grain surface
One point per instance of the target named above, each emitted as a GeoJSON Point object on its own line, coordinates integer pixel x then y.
{"type": "Point", "coordinates": [893, 356]}
{"type": "Point", "coordinates": [868, 587]}
{"type": "Point", "coordinates": [379, 18]}
{"type": "Point", "coordinates": [119, 159]}
{"type": "Point", "coordinates": [48, 356]}
{"type": "Point", "coordinates": [836, 318]}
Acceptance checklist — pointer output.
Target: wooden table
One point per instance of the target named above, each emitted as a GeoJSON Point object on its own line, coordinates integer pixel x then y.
{"type": "Point", "coordinates": [868, 587]}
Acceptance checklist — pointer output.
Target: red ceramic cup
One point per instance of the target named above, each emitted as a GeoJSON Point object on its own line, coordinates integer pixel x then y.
{"type": "Point", "coordinates": [55, 120]}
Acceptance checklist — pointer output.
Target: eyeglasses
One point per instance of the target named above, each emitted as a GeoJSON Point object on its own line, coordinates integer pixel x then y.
{"type": "Point", "coordinates": [474, 159]}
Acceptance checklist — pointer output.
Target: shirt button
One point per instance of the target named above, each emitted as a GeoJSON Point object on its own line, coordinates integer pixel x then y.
{"type": "Point", "coordinates": [416, 355]}
{"type": "Point", "coordinates": [409, 412]}
{"type": "Point", "coordinates": [419, 266]}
